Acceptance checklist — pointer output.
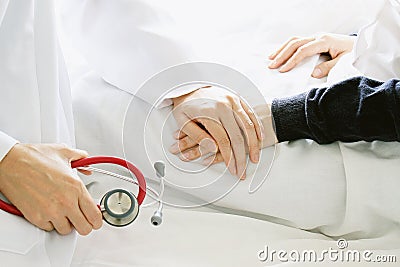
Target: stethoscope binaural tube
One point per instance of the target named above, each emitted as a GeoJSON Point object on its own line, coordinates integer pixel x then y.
{"type": "Point", "coordinates": [119, 207]}
{"type": "Point", "coordinates": [118, 161]}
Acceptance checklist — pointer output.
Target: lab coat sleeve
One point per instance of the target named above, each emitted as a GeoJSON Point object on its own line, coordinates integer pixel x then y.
{"type": "Point", "coordinates": [6, 143]}
{"type": "Point", "coordinates": [125, 42]}
{"type": "Point", "coordinates": [167, 99]}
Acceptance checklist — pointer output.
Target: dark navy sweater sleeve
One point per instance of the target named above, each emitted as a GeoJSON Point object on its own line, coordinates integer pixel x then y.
{"type": "Point", "coordinates": [353, 110]}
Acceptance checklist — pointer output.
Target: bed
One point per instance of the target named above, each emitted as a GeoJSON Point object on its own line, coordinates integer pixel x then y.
{"type": "Point", "coordinates": [313, 196]}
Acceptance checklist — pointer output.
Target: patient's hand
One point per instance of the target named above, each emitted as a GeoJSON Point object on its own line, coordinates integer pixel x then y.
{"type": "Point", "coordinates": [264, 115]}
{"type": "Point", "coordinates": [212, 119]}
{"type": "Point", "coordinates": [213, 114]}
{"type": "Point", "coordinates": [296, 49]}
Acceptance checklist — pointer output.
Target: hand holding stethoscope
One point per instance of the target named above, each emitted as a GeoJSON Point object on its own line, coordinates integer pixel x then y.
{"type": "Point", "coordinates": [119, 207]}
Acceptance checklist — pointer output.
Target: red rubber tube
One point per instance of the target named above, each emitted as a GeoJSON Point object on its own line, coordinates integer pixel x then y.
{"type": "Point", "coordinates": [90, 161]}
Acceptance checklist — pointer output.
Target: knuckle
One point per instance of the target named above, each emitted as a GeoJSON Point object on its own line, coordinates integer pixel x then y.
{"type": "Point", "coordinates": [39, 221]}
{"type": "Point", "coordinates": [293, 43]}
{"type": "Point", "coordinates": [253, 145]}
{"type": "Point", "coordinates": [76, 185]}
{"type": "Point", "coordinates": [224, 142]}
{"type": "Point", "coordinates": [249, 125]}
{"type": "Point", "coordinates": [46, 226]}
{"type": "Point", "coordinates": [193, 154]}
{"type": "Point", "coordinates": [183, 143]}
{"type": "Point", "coordinates": [53, 213]}
{"type": "Point", "coordinates": [223, 106]}
{"type": "Point", "coordinates": [61, 147]}
{"type": "Point", "coordinates": [238, 138]}
{"type": "Point", "coordinates": [94, 218]}
{"type": "Point", "coordinates": [302, 50]}
{"type": "Point", "coordinates": [325, 37]}
{"type": "Point", "coordinates": [198, 137]}
{"type": "Point", "coordinates": [65, 230]}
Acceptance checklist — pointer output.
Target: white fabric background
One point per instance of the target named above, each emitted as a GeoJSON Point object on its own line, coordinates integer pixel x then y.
{"type": "Point", "coordinates": [335, 189]}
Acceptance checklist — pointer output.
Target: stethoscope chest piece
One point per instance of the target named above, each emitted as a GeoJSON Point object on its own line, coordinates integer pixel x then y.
{"type": "Point", "coordinates": [119, 207]}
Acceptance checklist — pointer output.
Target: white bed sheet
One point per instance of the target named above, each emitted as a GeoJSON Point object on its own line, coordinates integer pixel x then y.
{"type": "Point", "coordinates": [322, 188]}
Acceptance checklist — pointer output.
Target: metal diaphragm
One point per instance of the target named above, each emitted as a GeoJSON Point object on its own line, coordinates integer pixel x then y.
{"type": "Point", "coordinates": [120, 207]}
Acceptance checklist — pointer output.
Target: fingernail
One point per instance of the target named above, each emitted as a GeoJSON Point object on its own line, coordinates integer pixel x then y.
{"type": "Point", "coordinates": [232, 169]}
{"type": "Point", "coordinates": [184, 157]}
{"type": "Point", "coordinates": [209, 145]}
{"type": "Point", "coordinates": [284, 68]}
{"type": "Point", "coordinates": [207, 161]}
{"type": "Point", "coordinates": [174, 148]}
{"type": "Point", "coordinates": [257, 157]}
{"type": "Point", "coordinates": [272, 64]}
{"type": "Point", "coordinates": [317, 73]}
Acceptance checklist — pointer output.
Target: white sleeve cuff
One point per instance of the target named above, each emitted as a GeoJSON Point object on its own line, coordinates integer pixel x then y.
{"type": "Point", "coordinates": [180, 91]}
{"type": "Point", "coordinates": [6, 143]}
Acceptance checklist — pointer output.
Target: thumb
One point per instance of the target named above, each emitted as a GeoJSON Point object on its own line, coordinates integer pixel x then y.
{"type": "Point", "coordinates": [323, 69]}
{"type": "Point", "coordinates": [74, 154]}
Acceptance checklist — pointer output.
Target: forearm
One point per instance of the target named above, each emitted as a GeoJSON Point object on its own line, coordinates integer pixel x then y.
{"type": "Point", "coordinates": [353, 110]}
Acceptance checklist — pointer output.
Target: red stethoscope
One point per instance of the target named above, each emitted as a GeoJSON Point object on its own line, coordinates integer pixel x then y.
{"type": "Point", "coordinates": [118, 206]}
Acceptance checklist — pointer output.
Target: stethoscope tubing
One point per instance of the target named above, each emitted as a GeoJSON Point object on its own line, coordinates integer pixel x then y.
{"type": "Point", "coordinates": [90, 161]}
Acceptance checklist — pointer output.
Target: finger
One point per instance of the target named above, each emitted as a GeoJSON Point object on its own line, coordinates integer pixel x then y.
{"type": "Point", "coordinates": [191, 154]}
{"type": "Point", "coordinates": [182, 145]}
{"type": "Point", "coordinates": [228, 120]}
{"type": "Point", "coordinates": [62, 225]}
{"type": "Point", "coordinates": [90, 210]}
{"type": "Point", "coordinates": [73, 154]}
{"type": "Point", "coordinates": [288, 52]}
{"type": "Point", "coordinates": [186, 143]}
{"type": "Point", "coordinates": [248, 128]}
{"type": "Point", "coordinates": [178, 134]}
{"type": "Point", "coordinates": [224, 143]}
{"type": "Point", "coordinates": [78, 220]}
{"type": "Point", "coordinates": [197, 134]}
{"type": "Point", "coordinates": [323, 69]}
{"type": "Point", "coordinates": [46, 226]}
{"type": "Point", "coordinates": [85, 172]}
{"type": "Point", "coordinates": [213, 159]}
{"type": "Point", "coordinates": [274, 54]}
{"type": "Point", "coordinates": [258, 127]}
{"type": "Point", "coordinates": [257, 123]}
{"type": "Point", "coordinates": [307, 50]}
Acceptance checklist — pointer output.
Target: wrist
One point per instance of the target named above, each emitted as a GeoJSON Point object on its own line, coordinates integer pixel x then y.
{"type": "Point", "coordinates": [268, 126]}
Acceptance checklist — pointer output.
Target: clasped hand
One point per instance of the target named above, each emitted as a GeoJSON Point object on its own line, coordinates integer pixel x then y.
{"type": "Point", "coordinates": [213, 120]}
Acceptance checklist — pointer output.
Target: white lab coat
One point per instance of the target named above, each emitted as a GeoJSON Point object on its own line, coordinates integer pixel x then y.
{"type": "Point", "coordinates": [35, 107]}
{"type": "Point", "coordinates": [35, 98]}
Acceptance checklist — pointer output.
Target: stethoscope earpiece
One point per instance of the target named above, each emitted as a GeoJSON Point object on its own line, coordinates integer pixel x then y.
{"type": "Point", "coordinates": [119, 207]}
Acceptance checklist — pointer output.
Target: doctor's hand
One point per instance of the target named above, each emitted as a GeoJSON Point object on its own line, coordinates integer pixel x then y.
{"type": "Point", "coordinates": [212, 119]}
{"type": "Point", "coordinates": [39, 181]}
{"type": "Point", "coordinates": [263, 113]}
{"type": "Point", "coordinates": [296, 49]}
